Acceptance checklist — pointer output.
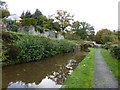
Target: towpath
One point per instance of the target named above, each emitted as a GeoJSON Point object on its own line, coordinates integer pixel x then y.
{"type": "Point", "coordinates": [103, 77]}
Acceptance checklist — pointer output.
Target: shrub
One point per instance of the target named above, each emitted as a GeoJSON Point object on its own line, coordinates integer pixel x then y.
{"type": "Point", "coordinates": [30, 48]}
{"type": "Point", "coordinates": [40, 29]}
{"type": "Point", "coordinates": [107, 38]}
{"type": "Point", "coordinates": [25, 47]}
{"type": "Point", "coordinates": [35, 47]}
{"type": "Point", "coordinates": [107, 45]}
{"type": "Point", "coordinates": [65, 46]}
{"type": "Point", "coordinates": [115, 52]}
{"type": "Point", "coordinates": [28, 22]}
{"type": "Point", "coordinates": [13, 28]}
{"type": "Point", "coordinates": [8, 37]}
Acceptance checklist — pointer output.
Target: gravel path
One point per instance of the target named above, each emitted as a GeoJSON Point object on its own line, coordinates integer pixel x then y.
{"type": "Point", "coordinates": [103, 77]}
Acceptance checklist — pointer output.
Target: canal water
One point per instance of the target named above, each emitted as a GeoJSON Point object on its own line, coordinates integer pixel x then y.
{"type": "Point", "coordinates": [47, 73]}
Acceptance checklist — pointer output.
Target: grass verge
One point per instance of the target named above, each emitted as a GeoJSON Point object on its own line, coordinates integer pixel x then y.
{"type": "Point", "coordinates": [82, 77]}
{"type": "Point", "coordinates": [112, 62]}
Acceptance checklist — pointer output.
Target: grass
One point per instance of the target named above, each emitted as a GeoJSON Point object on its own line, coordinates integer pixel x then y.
{"type": "Point", "coordinates": [112, 62]}
{"type": "Point", "coordinates": [83, 76]}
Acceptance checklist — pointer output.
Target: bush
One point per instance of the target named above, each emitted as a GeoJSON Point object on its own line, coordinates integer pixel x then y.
{"type": "Point", "coordinates": [107, 38]}
{"type": "Point", "coordinates": [13, 28]}
{"type": "Point", "coordinates": [107, 45]}
{"type": "Point", "coordinates": [65, 46]}
{"type": "Point", "coordinates": [28, 22]}
{"type": "Point", "coordinates": [25, 47]}
{"type": "Point", "coordinates": [8, 37]}
{"type": "Point", "coordinates": [30, 48]}
{"type": "Point", "coordinates": [115, 52]}
{"type": "Point", "coordinates": [35, 47]}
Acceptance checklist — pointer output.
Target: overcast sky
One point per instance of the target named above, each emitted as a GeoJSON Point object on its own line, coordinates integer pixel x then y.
{"type": "Point", "coordinates": [99, 13]}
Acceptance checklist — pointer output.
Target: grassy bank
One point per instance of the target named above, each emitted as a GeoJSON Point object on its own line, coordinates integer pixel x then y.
{"type": "Point", "coordinates": [82, 77]}
{"type": "Point", "coordinates": [113, 63]}
{"type": "Point", "coordinates": [19, 47]}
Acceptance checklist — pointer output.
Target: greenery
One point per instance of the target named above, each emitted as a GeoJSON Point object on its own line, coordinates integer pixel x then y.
{"type": "Point", "coordinates": [113, 63]}
{"type": "Point", "coordinates": [36, 15]}
{"type": "Point", "coordinates": [107, 38]}
{"type": "Point", "coordinates": [107, 45]}
{"type": "Point", "coordinates": [25, 47]}
{"type": "Point", "coordinates": [13, 28]}
{"type": "Point", "coordinates": [5, 13]}
{"type": "Point", "coordinates": [26, 15]}
{"type": "Point", "coordinates": [34, 47]}
{"type": "Point", "coordinates": [28, 22]}
{"type": "Point", "coordinates": [82, 77]}
{"type": "Point", "coordinates": [83, 30]}
{"type": "Point", "coordinates": [115, 52]}
{"type": "Point", "coordinates": [59, 22]}
{"type": "Point", "coordinates": [63, 18]}
{"type": "Point", "coordinates": [103, 35]}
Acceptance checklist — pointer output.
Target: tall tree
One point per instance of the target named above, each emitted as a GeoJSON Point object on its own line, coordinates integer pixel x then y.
{"type": "Point", "coordinates": [5, 13]}
{"type": "Point", "coordinates": [37, 15]}
{"type": "Point", "coordinates": [3, 9]}
{"type": "Point", "coordinates": [56, 26]}
{"type": "Point", "coordinates": [91, 33]}
{"type": "Point", "coordinates": [28, 22]}
{"type": "Point", "coordinates": [26, 15]}
{"type": "Point", "coordinates": [83, 29]}
{"type": "Point", "coordinates": [102, 34]}
{"type": "Point", "coordinates": [107, 38]}
{"type": "Point", "coordinates": [22, 15]}
{"type": "Point", "coordinates": [64, 19]}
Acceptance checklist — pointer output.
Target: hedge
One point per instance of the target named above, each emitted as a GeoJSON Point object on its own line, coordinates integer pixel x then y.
{"type": "Point", "coordinates": [115, 52]}
{"type": "Point", "coordinates": [20, 47]}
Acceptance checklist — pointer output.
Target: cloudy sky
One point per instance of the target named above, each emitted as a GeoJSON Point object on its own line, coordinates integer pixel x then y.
{"type": "Point", "coordinates": [99, 13]}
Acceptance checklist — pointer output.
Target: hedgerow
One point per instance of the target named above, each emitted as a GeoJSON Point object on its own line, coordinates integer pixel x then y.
{"type": "Point", "coordinates": [26, 47]}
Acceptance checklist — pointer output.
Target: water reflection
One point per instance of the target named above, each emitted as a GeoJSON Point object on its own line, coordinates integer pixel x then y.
{"type": "Point", "coordinates": [47, 73]}
{"type": "Point", "coordinates": [45, 83]}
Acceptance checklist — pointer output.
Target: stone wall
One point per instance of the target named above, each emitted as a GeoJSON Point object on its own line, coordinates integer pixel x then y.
{"type": "Point", "coordinates": [59, 36]}
{"type": "Point", "coordinates": [31, 30]}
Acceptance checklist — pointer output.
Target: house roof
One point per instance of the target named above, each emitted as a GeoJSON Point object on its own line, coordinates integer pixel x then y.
{"type": "Point", "coordinates": [13, 17]}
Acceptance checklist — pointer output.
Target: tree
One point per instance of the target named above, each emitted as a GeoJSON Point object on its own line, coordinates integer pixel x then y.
{"type": "Point", "coordinates": [91, 33]}
{"type": "Point", "coordinates": [26, 15]}
{"type": "Point", "coordinates": [102, 35]}
{"type": "Point", "coordinates": [83, 29]}
{"type": "Point", "coordinates": [56, 26]}
{"type": "Point", "coordinates": [48, 24]}
{"type": "Point", "coordinates": [3, 9]}
{"type": "Point", "coordinates": [75, 25]}
{"type": "Point", "coordinates": [37, 15]}
{"type": "Point", "coordinates": [28, 22]}
{"type": "Point", "coordinates": [115, 35]}
{"type": "Point", "coordinates": [5, 13]}
{"type": "Point", "coordinates": [22, 15]}
{"type": "Point", "coordinates": [64, 19]}
{"type": "Point", "coordinates": [3, 5]}
{"type": "Point", "coordinates": [107, 38]}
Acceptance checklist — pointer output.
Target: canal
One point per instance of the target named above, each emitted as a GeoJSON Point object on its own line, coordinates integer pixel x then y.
{"type": "Point", "coordinates": [46, 73]}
